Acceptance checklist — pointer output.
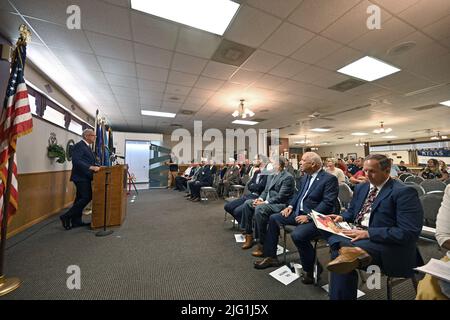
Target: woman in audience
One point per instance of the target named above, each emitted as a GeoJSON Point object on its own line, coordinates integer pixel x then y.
{"type": "Point", "coordinates": [444, 170]}
{"type": "Point", "coordinates": [331, 168]}
{"type": "Point", "coordinates": [431, 288]}
{"type": "Point", "coordinates": [431, 171]}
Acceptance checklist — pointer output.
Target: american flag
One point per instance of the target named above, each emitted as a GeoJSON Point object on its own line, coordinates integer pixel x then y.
{"type": "Point", "coordinates": [15, 121]}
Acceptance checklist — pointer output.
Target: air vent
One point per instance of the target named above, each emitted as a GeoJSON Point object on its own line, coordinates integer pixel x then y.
{"type": "Point", "coordinates": [174, 98]}
{"type": "Point", "coordinates": [232, 53]}
{"type": "Point", "coordinates": [291, 134]}
{"type": "Point", "coordinates": [427, 107]}
{"type": "Point", "coordinates": [401, 48]}
{"type": "Point", "coordinates": [326, 127]}
{"type": "Point", "coordinates": [176, 125]}
{"type": "Point", "coordinates": [187, 112]}
{"type": "Point", "coordinates": [340, 138]}
{"type": "Point", "coordinates": [347, 85]}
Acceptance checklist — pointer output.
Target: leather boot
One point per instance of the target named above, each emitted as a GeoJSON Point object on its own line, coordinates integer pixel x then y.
{"type": "Point", "coordinates": [248, 242]}
{"type": "Point", "coordinates": [349, 259]}
{"type": "Point", "coordinates": [258, 252]}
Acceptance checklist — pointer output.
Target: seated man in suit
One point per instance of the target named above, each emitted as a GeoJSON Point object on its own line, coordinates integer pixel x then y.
{"type": "Point", "coordinates": [181, 181]}
{"type": "Point", "coordinates": [204, 179]}
{"type": "Point", "coordinates": [318, 190]}
{"type": "Point", "coordinates": [192, 180]}
{"type": "Point", "coordinates": [280, 188]}
{"type": "Point", "coordinates": [389, 219]}
{"type": "Point", "coordinates": [83, 167]}
{"type": "Point", "coordinates": [256, 186]}
{"type": "Point", "coordinates": [231, 177]}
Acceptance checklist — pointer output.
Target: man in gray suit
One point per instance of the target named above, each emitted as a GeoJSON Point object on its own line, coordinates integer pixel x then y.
{"type": "Point", "coordinates": [280, 188]}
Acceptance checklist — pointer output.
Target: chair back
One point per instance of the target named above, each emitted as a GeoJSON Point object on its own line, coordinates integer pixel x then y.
{"type": "Point", "coordinates": [415, 179]}
{"type": "Point", "coordinates": [431, 204]}
{"type": "Point", "coordinates": [405, 175]}
{"type": "Point", "coordinates": [345, 194]}
{"type": "Point", "coordinates": [447, 181]}
{"type": "Point", "coordinates": [419, 189]}
{"type": "Point", "coordinates": [433, 185]}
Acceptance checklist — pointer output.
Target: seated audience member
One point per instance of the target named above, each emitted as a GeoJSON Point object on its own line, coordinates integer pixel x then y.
{"type": "Point", "coordinates": [431, 288]}
{"type": "Point", "coordinates": [335, 171]}
{"type": "Point", "coordinates": [394, 169]}
{"type": "Point", "coordinates": [358, 177]}
{"type": "Point", "coordinates": [341, 165]}
{"type": "Point", "coordinates": [352, 166]}
{"type": "Point", "coordinates": [204, 179]}
{"type": "Point", "coordinates": [318, 191]}
{"type": "Point", "coordinates": [194, 178]}
{"type": "Point", "coordinates": [255, 186]}
{"type": "Point", "coordinates": [254, 165]}
{"type": "Point", "coordinates": [231, 177]}
{"type": "Point", "coordinates": [402, 167]}
{"type": "Point", "coordinates": [181, 181]}
{"type": "Point", "coordinates": [431, 171]}
{"type": "Point", "coordinates": [290, 168]}
{"type": "Point", "coordinates": [388, 217]}
{"type": "Point", "coordinates": [280, 188]}
{"type": "Point", "coordinates": [444, 170]}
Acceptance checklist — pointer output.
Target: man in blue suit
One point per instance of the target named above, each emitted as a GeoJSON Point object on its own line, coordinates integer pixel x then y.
{"type": "Point", "coordinates": [318, 191]}
{"type": "Point", "coordinates": [205, 179]}
{"type": "Point", "coordinates": [389, 218]}
{"type": "Point", "coordinates": [83, 167]}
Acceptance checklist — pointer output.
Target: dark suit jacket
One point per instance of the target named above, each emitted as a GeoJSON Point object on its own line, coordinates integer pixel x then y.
{"type": "Point", "coordinates": [321, 197]}
{"type": "Point", "coordinates": [280, 188]}
{"type": "Point", "coordinates": [257, 188]}
{"type": "Point", "coordinates": [82, 159]}
{"type": "Point", "coordinates": [205, 177]}
{"type": "Point", "coordinates": [396, 221]}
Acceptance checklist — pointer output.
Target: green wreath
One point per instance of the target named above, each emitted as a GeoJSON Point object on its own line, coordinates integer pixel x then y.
{"type": "Point", "coordinates": [56, 151]}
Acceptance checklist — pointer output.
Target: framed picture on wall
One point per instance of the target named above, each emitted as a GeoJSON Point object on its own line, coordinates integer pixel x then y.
{"type": "Point", "coordinates": [352, 155]}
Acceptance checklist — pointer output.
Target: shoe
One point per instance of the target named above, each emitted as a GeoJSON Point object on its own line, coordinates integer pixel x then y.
{"type": "Point", "coordinates": [308, 277]}
{"type": "Point", "coordinates": [349, 259]}
{"type": "Point", "coordinates": [188, 195]}
{"type": "Point", "coordinates": [65, 223]}
{"type": "Point", "coordinates": [195, 199]}
{"type": "Point", "coordinates": [258, 252]}
{"type": "Point", "coordinates": [267, 263]}
{"type": "Point", "coordinates": [248, 242]}
{"type": "Point", "coordinates": [82, 224]}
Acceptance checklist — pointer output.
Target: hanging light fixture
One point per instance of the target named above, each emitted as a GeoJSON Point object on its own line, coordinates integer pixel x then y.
{"type": "Point", "coordinates": [438, 137]}
{"type": "Point", "coordinates": [382, 129]}
{"type": "Point", "coordinates": [242, 111]}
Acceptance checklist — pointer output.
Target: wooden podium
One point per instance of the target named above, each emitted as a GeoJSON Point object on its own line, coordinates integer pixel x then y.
{"type": "Point", "coordinates": [116, 197]}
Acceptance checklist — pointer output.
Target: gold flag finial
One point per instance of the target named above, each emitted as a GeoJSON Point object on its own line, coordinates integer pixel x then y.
{"type": "Point", "coordinates": [24, 35]}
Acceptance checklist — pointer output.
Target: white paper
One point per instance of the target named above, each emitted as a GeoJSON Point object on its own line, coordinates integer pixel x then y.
{"type": "Point", "coordinates": [358, 295]}
{"type": "Point", "coordinates": [280, 250]}
{"type": "Point", "coordinates": [284, 275]}
{"type": "Point", "coordinates": [428, 229]}
{"type": "Point", "coordinates": [239, 238]}
{"type": "Point", "coordinates": [439, 269]}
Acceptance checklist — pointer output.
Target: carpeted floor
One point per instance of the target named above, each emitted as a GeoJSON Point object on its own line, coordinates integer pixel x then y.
{"type": "Point", "coordinates": [167, 248]}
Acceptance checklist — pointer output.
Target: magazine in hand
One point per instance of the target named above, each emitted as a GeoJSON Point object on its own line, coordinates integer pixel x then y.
{"type": "Point", "coordinates": [326, 223]}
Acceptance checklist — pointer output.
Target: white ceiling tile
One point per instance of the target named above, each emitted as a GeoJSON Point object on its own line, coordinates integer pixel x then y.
{"type": "Point", "coordinates": [251, 27]}
{"type": "Point", "coordinates": [151, 73]}
{"type": "Point", "coordinates": [404, 82]}
{"type": "Point", "coordinates": [116, 80]}
{"type": "Point", "coordinates": [201, 93]}
{"type": "Point", "coordinates": [269, 81]}
{"type": "Point", "coordinates": [279, 8]}
{"type": "Point", "coordinates": [311, 74]}
{"type": "Point", "coordinates": [119, 67]}
{"type": "Point", "coordinates": [150, 86]}
{"type": "Point", "coordinates": [83, 61]}
{"type": "Point", "coordinates": [209, 83]}
{"type": "Point", "coordinates": [396, 6]}
{"type": "Point", "coordinates": [440, 29]}
{"type": "Point", "coordinates": [176, 89]}
{"type": "Point", "coordinates": [124, 94]}
{"type": "Point", "coordinates": [262, 61]}
{"type": "Point", "coordinates": [218, 70]}
{"type": "Point", "coordinates": [379, 41]}
{"type": "Point", "coordinates": [122, 3]}
{"type": "Point", "coordinates": [152, 56]}
{"type": "Point", "coordinates": [288, 68]}
{"type": "Point", "coordinates": [245, 76]}
{"type": "Point", "coordinates": [316, 15]}
{"type": "Point", "coordinates": [110, 47]}
{"type": "Point", "coordinates": [87, 77]}
{"type": "Point", "coordinates": [181, 78]}
{"type": "Point", "coordinates": [353, 24]}
{"type": "Point", "coordinates": [197, 42]}
{"type": "Point", "coordinates": [189, 64]}
{"type": "Point", "coordinates": [174, 98]}
{"type": "Point", "coordinates": [435, 68]}
{"type": "Point", "coordinates": [286, 39]}
{"type": "Point", "coordinates": [315, 50]}
{"type": "Point", "coordinates": [52, 11]}
{"type": "Point", "coordinates": [171, 105]}
{"type": "Point", "coordinates": [340, 58]}
{"type": "Point", "coordinates": [435, 10]}
{"type": "Point", "coordinates": [103, 18]}
{"type": "Point", "coordinates": [153, 31]}
{"type": "Point", "coordinates": [150, 102]}
{"type": "Point", "coordinates": [329, 79]}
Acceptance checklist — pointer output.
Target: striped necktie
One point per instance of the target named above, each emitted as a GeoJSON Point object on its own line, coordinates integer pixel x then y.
{"type": "Point", "coordinates": [367, 205]}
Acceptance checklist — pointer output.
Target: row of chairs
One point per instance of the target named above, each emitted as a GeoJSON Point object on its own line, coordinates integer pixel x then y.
{"type": "Point", "coordinates": [409, 177]}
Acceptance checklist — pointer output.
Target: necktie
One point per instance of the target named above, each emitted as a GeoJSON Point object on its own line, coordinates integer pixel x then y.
{"type": "Point", "coordinates": [302, 195]}
{"type": "Point", "coordinates": [367, 205]}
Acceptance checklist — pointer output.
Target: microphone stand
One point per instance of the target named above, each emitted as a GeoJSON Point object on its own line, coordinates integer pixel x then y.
{"type": "Point", "coordinates": [104, 232]}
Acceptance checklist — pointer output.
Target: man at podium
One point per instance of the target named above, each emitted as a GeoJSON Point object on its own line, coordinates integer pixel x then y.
{"type": "Point", "coordinates": [83, 167]}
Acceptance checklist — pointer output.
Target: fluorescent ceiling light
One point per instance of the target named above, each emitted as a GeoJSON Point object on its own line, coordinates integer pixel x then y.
{"type": "Point", "coordinates": [158, 114]}
{"type": "Point", "coordinates": [246, 122]}
{"type": "Point", "coordinates": [303, 142]}
{"type": "Point", "coordinates": [369, 69]}
{"type": "Point", "coordinates": [210, 15]}
{"type": "Point", "coordinates": [446, 103]}
{"type": "Point", "coordinates": [320, 130]}
{"type": "Point", "coordinates": [389, 137]}
{"type": "Point", "coordinates": [359, 134]}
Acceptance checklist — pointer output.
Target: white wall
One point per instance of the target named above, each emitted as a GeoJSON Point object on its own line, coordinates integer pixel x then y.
{"type": "Point", "coordinates": [335, 151]}
{"type": "Point", "coordinates": [32, 148]}
{"type": "Point", "coordinates": [120, 137]}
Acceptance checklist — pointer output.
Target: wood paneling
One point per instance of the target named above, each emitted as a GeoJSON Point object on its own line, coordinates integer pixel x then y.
{"type": "Point", "coordinates": [41, 195]}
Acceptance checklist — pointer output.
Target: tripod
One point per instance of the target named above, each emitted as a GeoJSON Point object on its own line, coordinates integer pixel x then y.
{"type": "Point", "coordinates": [131, 182]}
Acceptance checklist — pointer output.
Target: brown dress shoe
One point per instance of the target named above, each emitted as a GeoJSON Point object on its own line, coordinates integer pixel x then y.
{"type": "Point", "coordinates": [248, 242]}
{"type": "Point", "coordinates": [258, 252]}
{"type": "Point", "coordinates": [267, 263]}
{"type": "Point", "coordinates": [349, 259]}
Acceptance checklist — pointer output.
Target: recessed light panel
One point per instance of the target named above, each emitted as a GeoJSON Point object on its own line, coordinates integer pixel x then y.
{"type": "Point", "coordinates": [368, 69]}
{"type": "Point", "coordinates": [158, 114]}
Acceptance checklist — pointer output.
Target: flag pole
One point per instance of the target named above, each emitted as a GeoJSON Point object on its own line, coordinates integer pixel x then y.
{"type": "Point", "coordinates": [8, 285]}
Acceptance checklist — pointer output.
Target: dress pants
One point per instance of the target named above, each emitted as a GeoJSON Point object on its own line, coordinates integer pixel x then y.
{"type": "Point", "coordinates": [195, 188]}
{"type": "Point", "coordinates": [180, 183]}
{"type": "Point", "coordinates": [83, 197]}
{"type": "Point", "coordinates": [273, 232]}
{"type": "Point", "coordinates": [235, 207]}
